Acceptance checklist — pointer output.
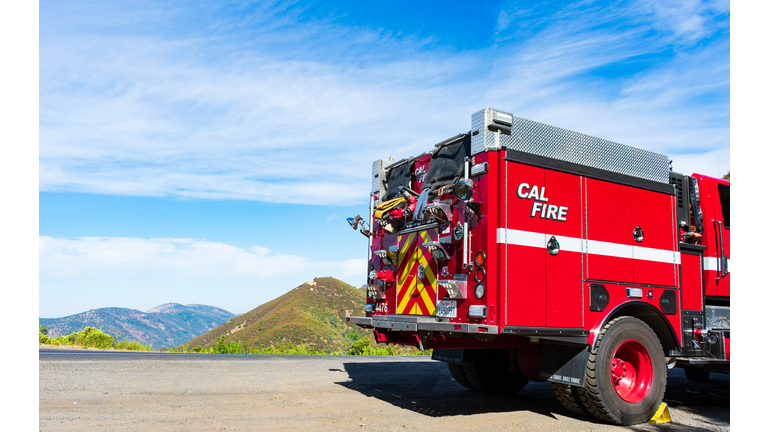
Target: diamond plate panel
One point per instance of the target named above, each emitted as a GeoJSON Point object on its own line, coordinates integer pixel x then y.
{"type": "Point", "coordinates": [562, 144]}
{"type": "Point", "coordinates": [717, 317]}
{"type": "Point", "coordinates": [377, 175]}
{"type": "Point", "coordinates": [479, 120]}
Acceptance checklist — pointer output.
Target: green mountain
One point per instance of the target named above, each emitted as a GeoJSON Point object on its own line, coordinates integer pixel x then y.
{"type": "Point", "coordinates": [312, 314]}
{"type": "Point", "coordinates": [168, 325]}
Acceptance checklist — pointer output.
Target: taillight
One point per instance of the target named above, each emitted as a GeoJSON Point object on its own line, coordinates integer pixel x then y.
{"type": "Point", "coordinates": [479, 274]}
{"type": "Point", "coordinates": [480, 258]}
{"type": "Point", "coordinates": [479, 291]}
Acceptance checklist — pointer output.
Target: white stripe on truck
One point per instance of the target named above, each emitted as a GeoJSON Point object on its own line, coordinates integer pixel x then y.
{"type": "Point", "coordinates": [575, 244]}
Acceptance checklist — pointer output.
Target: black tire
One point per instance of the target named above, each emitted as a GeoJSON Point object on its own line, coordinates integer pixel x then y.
{"type": "Point", "coordinates": [569, 399]}
{"type": "Point", "coordinates": [697, 374]}
{"type": "Point", "coordinates": [490, 371]}
{"type": "Point", "coordinates": [600, 397]}
{"type": "Point", "coordinates": [458, 374]}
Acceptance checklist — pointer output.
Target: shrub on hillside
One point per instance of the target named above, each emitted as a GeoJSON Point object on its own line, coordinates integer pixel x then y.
{"type": "Point", "coordinates": [91, 337]}
{"type": "Point", "coordinates": [44, 339]}
{"type": "Point", "coordinates": [231, 347]}
{"type": "Point", "coordinates": [363, 347]}
{"type": "Point", "coordinates": [132, 346]}
{"type": "Point", "coordinates": [241, 347]}
{"type": "Point", "coordinates": [288, 349]}
{"type": "Point", "coordinates": [88, 337]}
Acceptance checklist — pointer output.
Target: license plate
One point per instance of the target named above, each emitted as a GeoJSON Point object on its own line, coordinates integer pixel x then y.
{"type": "Point", "coordinates": [446, 308]}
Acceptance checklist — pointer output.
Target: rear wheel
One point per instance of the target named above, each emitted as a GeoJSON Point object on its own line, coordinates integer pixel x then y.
{"type": "Point", "coordinates": [490, 371]}
{"type": "Point", "coordinates": [569, 399]}
{"type": "Point", "coordinates": [696, 374]}
{"type": "Point", "coordinates": [458, 374]}
{"type": "Point", "coordinates": [626, 373]}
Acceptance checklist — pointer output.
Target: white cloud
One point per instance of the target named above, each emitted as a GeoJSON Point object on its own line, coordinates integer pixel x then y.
{"type": "Point", "coordinates": [182, 258]}
{"type": "Point", "coordinates": [264, 107]}
{"type": "Point", "coordinates": [688, 21]}
{"type": "Point", "coordinates": [270, 129]}
{"type": "Point", "coordinates": [714, 163]}
{"type": "Point", "coordinates": [176, 257]}
{"type": "Point", "coordinates": [503, 21]}
{"type": "Point", "coordinates": [677, 106]}
{"type": "Point", "coordinates": [78, 274]}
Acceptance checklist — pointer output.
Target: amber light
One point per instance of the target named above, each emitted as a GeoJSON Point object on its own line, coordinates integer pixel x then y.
{"type": "Point", "coordinates": [480, 258]}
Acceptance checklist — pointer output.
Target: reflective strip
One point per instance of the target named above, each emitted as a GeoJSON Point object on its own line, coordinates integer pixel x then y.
{"type": "Point", "coordinates": [574, 244]}
{"type": "Point", "coordinates": [521, 238]}
{"type": "Point", "coordinates": [658, 255]}
{"type": "Point", "coordinates": [570, 244]}
{"type": "Point", "coordinates": [710, 263]}
{"type": "Point", "coordinates": [609, 249]}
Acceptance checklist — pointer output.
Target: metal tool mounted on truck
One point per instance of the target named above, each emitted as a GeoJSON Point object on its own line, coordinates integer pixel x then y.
{"type": "Point", "coordinates": [520, 251]}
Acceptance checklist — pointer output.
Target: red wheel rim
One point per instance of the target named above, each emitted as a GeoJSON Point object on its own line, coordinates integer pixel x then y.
{"type": "Point", "coordinates": [631, 371]}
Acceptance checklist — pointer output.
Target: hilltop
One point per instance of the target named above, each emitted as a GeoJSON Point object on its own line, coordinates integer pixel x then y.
{"type": "Point", "coordinates": [311, 314]}
{"type": "Point", "coordinates": [166, 325]}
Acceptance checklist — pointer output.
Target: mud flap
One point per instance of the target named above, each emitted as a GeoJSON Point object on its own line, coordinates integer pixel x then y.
{"type": "Point", "coordinates": [565, 364]}
{"type": "Point", "coordinates": [455, 356]}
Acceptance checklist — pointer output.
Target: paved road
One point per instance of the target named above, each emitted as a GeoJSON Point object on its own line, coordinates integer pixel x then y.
{"type": "Point", "coordinates": [89, 390]}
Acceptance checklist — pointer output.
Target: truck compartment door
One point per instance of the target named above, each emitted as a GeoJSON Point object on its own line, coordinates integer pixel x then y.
{"type": "Point", "coordinates": [654, 256]}
{"type": "Point", "coordinates": [609, 231]}
{"type": "Point", "coordinates": [522, 234]}
{"type": "Point", "coordinates": [564, 269]}
{"type": "Point", "coordinates": [691, 281]}
{"type": "Point", "coordinates": [715, 207]}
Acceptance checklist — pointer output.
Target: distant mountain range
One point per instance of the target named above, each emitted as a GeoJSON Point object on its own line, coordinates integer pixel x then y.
{"type": "Point", "coordinates": [312, 314]}
{"type": "Point", "coordinates": [168, 325]}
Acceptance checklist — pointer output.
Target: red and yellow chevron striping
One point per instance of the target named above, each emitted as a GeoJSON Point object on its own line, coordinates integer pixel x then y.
{"type": "Point", "coordinates": [416, 296]}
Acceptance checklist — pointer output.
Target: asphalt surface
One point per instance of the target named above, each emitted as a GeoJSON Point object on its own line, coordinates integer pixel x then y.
{"type": "Point", "coordinates": [102, 390]}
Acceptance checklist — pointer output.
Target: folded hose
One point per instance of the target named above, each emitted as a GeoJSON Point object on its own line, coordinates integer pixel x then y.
{"type": "Point", "coordinates": [387, 206]}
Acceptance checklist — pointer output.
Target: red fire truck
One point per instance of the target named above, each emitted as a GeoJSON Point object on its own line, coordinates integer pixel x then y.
{"type": "Point", "coordinates": [520, 251]}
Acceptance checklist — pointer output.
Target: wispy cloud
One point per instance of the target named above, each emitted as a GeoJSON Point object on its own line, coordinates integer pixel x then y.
{"type": "Point", "coordinates": [686, 21]}
{"type": "Point", "coordinates": [174, 257]}
{"type": "Point", "coordinates": [90, 272]}
{"type": "Point", "coordinates": [155, 117]}
{"type": "Point", "coordinates": [260, 103]}
{"type": "Point", "coordinates": [64, 257]}
{"type": "Point", "coordinates": [638, 73]}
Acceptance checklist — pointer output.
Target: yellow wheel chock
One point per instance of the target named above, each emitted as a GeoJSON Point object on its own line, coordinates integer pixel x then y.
{"type": "Point", "coordinates": [662, 415]}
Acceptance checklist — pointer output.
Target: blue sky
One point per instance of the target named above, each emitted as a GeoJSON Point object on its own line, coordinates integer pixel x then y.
{"type": "Point", "coordinates": [209, 153]}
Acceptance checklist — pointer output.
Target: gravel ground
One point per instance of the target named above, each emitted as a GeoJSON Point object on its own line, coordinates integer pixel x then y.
{"type": "Point", "coordinates": [117, 391]}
